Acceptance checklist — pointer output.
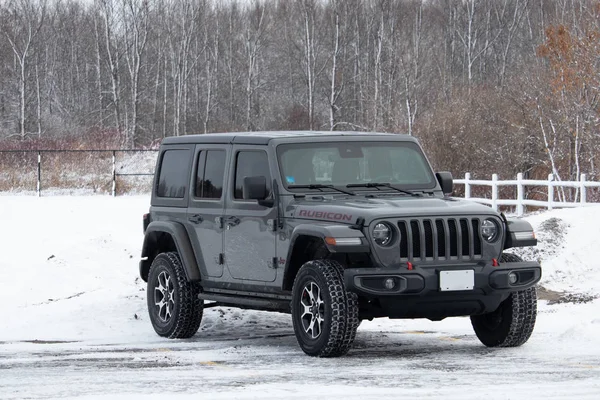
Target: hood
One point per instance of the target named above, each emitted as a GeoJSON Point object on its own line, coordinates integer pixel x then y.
{"type": "Point", "coordinates": [347, 210]}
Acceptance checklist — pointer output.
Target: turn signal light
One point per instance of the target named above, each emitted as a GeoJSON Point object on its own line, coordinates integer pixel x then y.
{"type": "Point", "coordinates": [494, 262]}
{"type": "Point", "coordinates": [343, 241]}
{"type": "Point", "coordinates": [330, 241]}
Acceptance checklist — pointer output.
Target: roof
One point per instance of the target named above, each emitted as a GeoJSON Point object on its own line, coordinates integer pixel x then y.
{"type": "Point", "coordinates": [266, 136]}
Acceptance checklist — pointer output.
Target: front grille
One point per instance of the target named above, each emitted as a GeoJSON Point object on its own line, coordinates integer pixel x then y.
{"type": "Point", "coordinates": [440, 239]}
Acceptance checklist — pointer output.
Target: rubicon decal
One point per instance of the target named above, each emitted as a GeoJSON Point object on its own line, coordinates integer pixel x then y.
{"type": "Point", "coordinates": [325, 215]}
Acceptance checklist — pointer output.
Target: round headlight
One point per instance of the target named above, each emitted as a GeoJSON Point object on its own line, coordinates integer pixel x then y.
{"type": "Point", "coordinates": [489, 230]}
{"type": "Point", "coordinates": [382, 234]}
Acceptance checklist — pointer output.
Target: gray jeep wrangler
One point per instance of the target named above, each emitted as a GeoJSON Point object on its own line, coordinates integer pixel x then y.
{"type": "Point", "coordinates": [333, 228]}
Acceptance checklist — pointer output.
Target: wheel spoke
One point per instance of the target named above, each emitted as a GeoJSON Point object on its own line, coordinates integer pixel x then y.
{"type": "Point", "coordinates": [318, 295]}
{"type": "Point", "coordinates": [168, 310]}
{"type": "Point", "coordinates": [161, 309]}
{"type": "Point", "coordinates": [318, 325]}
{"type": "Point", "coordinates": [162, 286]}
{"type": "Point", "coordinates": [310, 293]}
{"type": "Point", "coordinates": [311, 328]}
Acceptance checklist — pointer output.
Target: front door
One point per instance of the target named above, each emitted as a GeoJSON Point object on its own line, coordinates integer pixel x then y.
{"type": "Point", "coordinates": [207, 206]}
{"type": "Point", "coordinates": [249, 236]}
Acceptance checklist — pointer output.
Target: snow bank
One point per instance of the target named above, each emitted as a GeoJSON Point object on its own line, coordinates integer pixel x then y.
{"type": "Point", "coordinates": [568, 248]}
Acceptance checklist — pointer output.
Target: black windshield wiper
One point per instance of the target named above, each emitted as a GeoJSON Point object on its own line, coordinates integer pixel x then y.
{"type": "Point", "coordinates": [321, 186]}
{"type": "Point", "coordinates": [377, 185]}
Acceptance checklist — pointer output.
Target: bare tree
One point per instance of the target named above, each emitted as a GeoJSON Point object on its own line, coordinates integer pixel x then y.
{"type": "Point", "coordinates": [22, 23]}
{"type": "Point", "coordinates": [135, 21]}
{"type": "Point", "coordinates": [256, 29]}
{"type": "Point", "coordinates": [113, 50]}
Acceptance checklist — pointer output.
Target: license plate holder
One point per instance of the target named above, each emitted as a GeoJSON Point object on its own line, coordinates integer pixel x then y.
{"type": "Point", "coordinates": [457, 280]}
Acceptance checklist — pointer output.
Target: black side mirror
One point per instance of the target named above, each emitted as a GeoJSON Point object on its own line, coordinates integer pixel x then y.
{"type": "Point", "coordinates": [255, 188]}
{"type": "Point", "coordinates": [445, 180]}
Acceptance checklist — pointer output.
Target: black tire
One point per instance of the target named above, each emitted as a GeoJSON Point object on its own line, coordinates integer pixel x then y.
{"type": "Point", "coordinates": [512, 323]}
{"type": "Point", "coordinates": [180, 315]}
{"type": "Point", "coordinates": [338, 310]}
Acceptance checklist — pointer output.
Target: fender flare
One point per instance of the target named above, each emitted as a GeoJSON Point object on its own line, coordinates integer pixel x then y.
{"type": "Point", "coordinates": [182, 242]}
{"type": "Point", "coordinates": [320, 232]}
{"type": "Point", "coordinates": [519, 233]}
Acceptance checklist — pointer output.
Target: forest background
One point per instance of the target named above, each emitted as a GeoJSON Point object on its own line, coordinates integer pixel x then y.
{"type": "Point", "coordinates": [487, 86]}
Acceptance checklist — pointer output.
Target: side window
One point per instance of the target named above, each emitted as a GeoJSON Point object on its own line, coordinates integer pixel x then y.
{"type": "Point", "coordinates": [250, 163]}
{"type": "Point", "coordinates": [173, 174]}
{"type": "Point", "coordinates": [210, 174]}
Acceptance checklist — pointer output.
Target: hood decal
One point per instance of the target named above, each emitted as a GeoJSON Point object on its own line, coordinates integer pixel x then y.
{"type": "Point", "coordinates": [332, 216]}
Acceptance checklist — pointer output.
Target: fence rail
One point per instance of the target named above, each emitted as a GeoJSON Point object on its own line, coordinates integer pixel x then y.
{"type": "Point", "coordinates": [42, 155]}
{"type": "Point", "coordinates": [520, 202]}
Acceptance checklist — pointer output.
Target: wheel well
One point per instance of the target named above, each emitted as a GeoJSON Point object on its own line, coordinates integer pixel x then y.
{"type": "Point", "coordinates": [156, 243]}
{"type": "Point", "coordinates": [304, 250]}
{"type": "Point", "coordinates": [308, 248]}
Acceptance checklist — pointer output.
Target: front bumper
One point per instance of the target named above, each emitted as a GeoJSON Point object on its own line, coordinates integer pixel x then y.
{"type": "Point", "coordinates": [417, 293]}
{"type": "Point", "coordinates": [424, 281]}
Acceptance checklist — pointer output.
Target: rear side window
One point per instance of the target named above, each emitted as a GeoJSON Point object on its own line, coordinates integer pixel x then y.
{"type": "Point", "coordinates": [211, 171]}
{"type": "Point", "coordinates": [173, 174]}
{"type": "Point", "coordinates": [250, 163]}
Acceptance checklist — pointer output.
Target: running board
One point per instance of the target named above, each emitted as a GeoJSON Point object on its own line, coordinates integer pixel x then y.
{"type": "Point", "coordinates": [246, 302]}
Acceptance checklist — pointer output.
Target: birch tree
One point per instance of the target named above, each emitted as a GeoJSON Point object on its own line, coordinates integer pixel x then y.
{"type": "Point", "coordinates": [22, 23]}
{"type": "Point", "coordinates": [135, 21]}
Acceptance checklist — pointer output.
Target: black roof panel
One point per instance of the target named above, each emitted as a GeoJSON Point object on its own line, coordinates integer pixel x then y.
{"type": "Point", "coordinates": [264, 137]}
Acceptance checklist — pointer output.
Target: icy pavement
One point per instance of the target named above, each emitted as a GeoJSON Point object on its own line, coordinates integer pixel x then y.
{"type": "Point", "coordinates": [74, 325]}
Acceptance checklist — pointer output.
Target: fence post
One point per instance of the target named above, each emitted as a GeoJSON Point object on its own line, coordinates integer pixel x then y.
{"type": "Point", "coordinates": [520, 194]}
{"type": "Point", "coordinates": [114, 174]}
{"type": "Point", "coordinates": [467, 185]}
{"type": "Point", "coordinates": [582, 191]}
{"type": "Point", "coordinates": [550, 191]}
{"type": "Point", "coordinates": [495, 192]}
{"type": "Point", "coordinates": [39, 174]}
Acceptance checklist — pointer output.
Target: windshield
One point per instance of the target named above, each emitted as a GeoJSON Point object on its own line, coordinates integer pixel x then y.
{"type": "Point", "coordinates": [401, 164]}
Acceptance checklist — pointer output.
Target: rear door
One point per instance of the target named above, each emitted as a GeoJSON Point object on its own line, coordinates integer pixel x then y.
{"type": "Point", "coordinates": [207, 205]}
{"type": "Point", "coordinates": [249, 235]}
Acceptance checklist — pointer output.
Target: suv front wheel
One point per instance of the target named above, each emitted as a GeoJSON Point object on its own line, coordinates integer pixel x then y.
{"type": "Point", "coordinates": [173, 304]}
{"type": "Point", "coordinates": [324, 314]}
{"type": "Point", "coordinates": [512, 323]}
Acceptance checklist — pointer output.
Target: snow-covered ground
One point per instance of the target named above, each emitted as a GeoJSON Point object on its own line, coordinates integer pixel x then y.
{"type": "Point", "coordinates": [73, 324]}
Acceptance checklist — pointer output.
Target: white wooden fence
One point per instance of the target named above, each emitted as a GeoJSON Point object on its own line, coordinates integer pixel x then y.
{"type": "Point", "coordinates": [520, 202]}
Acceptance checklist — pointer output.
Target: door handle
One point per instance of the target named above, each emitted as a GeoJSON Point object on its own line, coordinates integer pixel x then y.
{"type": "Point", "coordinates": [196, 218]}
{"type": "Point", "coordinates": [232, 221]}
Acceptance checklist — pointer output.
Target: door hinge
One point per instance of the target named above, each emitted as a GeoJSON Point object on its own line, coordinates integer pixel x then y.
{"type": "Point", "coordinates": [275, 263]}
{"type": "Point", "coordinates": [221, 258]}
{"type": "Point", "coordinates": [272, 224]}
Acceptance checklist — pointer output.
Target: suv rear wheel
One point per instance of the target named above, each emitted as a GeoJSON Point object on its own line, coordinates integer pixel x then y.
{"type": "Point", "coordinates": [512, 323]}
{"type": "Point", "coordinates": [324, 314]}
{"type": "Point", "coordinates": [173, 304]}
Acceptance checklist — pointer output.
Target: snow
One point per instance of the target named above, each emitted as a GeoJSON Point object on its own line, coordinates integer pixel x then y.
{"type": "Point", "coordinates": [569, 249]}
{"type": "Point", "coordinates": [74, 324]}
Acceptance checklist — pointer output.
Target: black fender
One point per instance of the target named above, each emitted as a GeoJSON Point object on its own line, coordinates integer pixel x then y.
{"type": "Point", "coordinates": [183, 246]}
{"type": "Point", "coordinates": [519, 233]}
{"type": "Point", "coordinates": [317, 233]}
